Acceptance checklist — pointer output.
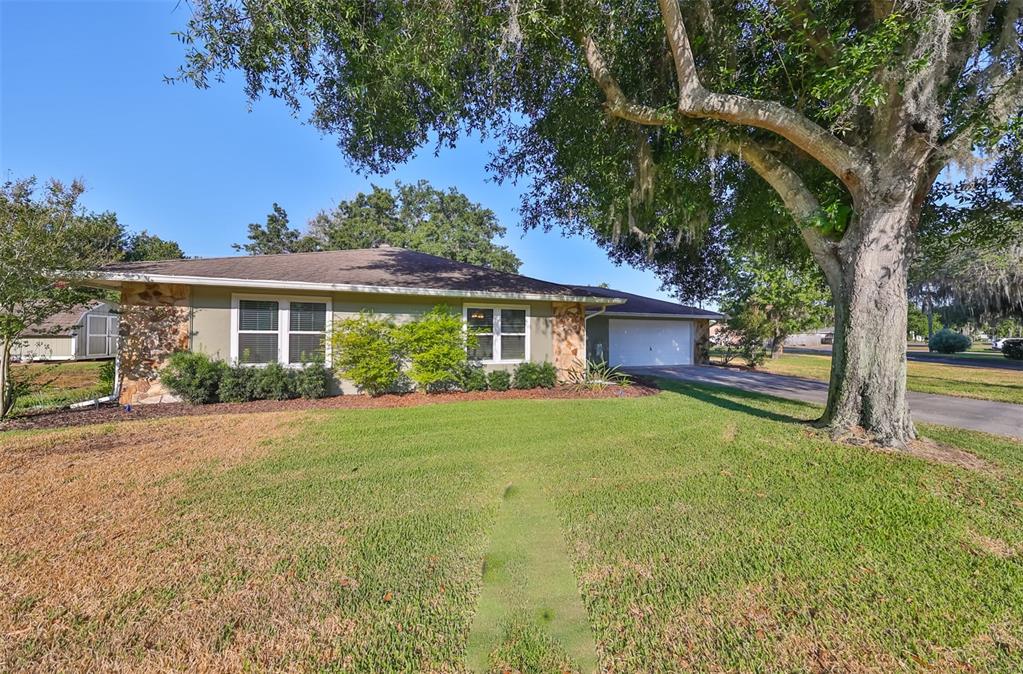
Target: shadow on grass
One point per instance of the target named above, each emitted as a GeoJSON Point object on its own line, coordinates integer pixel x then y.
{"type": "Point", "coordinates": [725, 398]}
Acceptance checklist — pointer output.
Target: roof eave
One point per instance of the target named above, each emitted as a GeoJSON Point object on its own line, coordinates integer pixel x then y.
{"type": "Point", "coordinates": [114, 279]}
{"type": "Point", "coordinates": [651, 314]}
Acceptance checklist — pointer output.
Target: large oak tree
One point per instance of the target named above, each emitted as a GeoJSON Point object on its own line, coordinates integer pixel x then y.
{"type": "Point", "coordinates": [664, 122]}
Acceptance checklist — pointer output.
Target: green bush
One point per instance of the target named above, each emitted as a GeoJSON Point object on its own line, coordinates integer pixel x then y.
{"type": "Point", "coordinates": [312, 381]}
{"type": "Point", "coordinates": [499, 380]}
{"type": "Point", "coordinates": [947, 341]}
{"type": "Point", "coordinates": [238, 384]}
{"type": "Point", "coordinates": [535, 375]}
{"type": "Point", "coordinates": [435, 347]}
{"type": "Point", "coordinates": [195, 377]}
{"type": "Point", "coordinates": [106, 373]}
{"type": "Point", "coordinates": [473, 378]}
{"type": "Point", "coordinates": [366, 351]}
{"type": "Point", "coordinates": [274, 382]}
{"type": "Point", "coordinates": [1013, 348]}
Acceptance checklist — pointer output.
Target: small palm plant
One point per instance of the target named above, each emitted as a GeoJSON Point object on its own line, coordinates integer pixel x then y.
{"type": "Point", "coordinates": [598, 376]}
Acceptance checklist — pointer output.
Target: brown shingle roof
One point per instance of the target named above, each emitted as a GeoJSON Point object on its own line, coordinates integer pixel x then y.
{"type": "Point", "coordinates": [384, 267]}
{"type": "Point", "coordinates": [638, 304]}
{"type": "Point", "coordinates": [61, 324]}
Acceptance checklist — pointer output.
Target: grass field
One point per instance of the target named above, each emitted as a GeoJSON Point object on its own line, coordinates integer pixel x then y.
{"type": "Point", "coordinates": [984, 383]}
{"type": "Point", "coordinates": [698, 529]}
{"type": "Point", "coordinates": [58, 384]}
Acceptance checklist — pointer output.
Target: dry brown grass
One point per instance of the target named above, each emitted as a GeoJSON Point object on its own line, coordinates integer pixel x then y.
{"type": "Point", "coordinates": [69, 376]}
{"type": "Point", "coordinates": [95, 572]}
{"type": "Point", "coordinates": [751, 620]}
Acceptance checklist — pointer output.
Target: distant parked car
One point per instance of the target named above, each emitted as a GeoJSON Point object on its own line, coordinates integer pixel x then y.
{"type": "Point", "coordinates": [998, 342]}
{"type": "Point", "coordinates": [1013, 348]}
{"type": "Point", "coordinates": [828, 338]}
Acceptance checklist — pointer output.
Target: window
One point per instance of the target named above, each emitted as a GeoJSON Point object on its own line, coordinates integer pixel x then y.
{"type": "Point", "coordinates": [501, 333]}
{"type": "Point", "coordinates": [307, 332]}
{"type": "Point", "coordinates": [258, 331]}
{"type": "Point", "coordinates": [481, 322]}
{"type": "Point", "coordinates": [291, 331]}
{"type": "Point", "coordinates": [101, 335]}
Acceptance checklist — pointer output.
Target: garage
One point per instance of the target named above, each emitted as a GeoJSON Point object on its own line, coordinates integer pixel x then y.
{"type": "Point", "coordinates": [650, 342]}
{"type": "Point", "coordinates": [646, 332]}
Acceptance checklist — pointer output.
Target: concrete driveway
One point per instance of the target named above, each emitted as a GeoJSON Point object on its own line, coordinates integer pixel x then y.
{"type": "Point", "coordinates": [978, 415]}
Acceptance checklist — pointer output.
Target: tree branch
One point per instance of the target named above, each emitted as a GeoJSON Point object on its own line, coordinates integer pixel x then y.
{"type": "Point", "coordinates": [1003, 104]}
{"type": "Point", "coordinates": [798, 199]}
{"type": "Point", "coordinates": [845, 162]}
{"type": "Point", "coordinates": [817, 37]}
{"type": "Point", "coordinates": [616, 102]}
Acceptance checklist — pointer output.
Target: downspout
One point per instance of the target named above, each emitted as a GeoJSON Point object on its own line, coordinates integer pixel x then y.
{"type": "Point", "coordinates": [586, 337]}
{"type": "Point", "coordinates": [603, 308]}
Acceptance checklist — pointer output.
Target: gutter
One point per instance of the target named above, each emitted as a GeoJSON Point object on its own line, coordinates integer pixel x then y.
{"type": "Point", "coordinates": [627, 314]}
{"type": "Point", "coordinates": [595, 313]}
{"type": "Point", "coordinates": [117, 277]}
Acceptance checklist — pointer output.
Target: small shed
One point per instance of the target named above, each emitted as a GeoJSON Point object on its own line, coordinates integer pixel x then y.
{"type": "Point", "coordinates": [84, 332]}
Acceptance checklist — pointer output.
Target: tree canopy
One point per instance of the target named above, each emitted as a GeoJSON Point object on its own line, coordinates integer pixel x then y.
{"type": "Point", "coordinates": [46, 244]}
{"type": "Point", "coordinates": [414, 216]}
{"type": "Point", "coordinates": [276, 236]}
{"type": "Point", "coordinates": [773, 301]}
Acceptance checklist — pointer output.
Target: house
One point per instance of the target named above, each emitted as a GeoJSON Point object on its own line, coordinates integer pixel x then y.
{"type": "Point", "coordinates": [644, 331]}
{"type": "Point", "coordinates": [279, 308]}
{"type": "Point", "coordinates": [84, 332]}
{"type": "Point", "coordinates": [811, 338]}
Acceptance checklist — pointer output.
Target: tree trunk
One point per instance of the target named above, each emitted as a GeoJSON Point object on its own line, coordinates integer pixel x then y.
{"type": "Point", "coordinates": [777, 346]}
{"type": "Point", "coordinates": [5, 378]}
{"type": "Point", "coordinates": [868, 372]}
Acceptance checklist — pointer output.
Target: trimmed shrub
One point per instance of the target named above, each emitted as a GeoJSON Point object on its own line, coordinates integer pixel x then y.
{"type": "Point", "coordinates": [195, 377]}
{"type": "Point", "coordinates": [366, 351]}
{"type": "Point", "coordinates": [312, 381]}
{"type": "Point", "coordinates": [106, 373]}
{"type": "Point", "coordinates": [238, 384]}
{"type": "Point", "coordinates": [435, 347]}
{"type": "Point", "coordinates": [274, 382]}
{"type": "Point", "coordinates": [535, 375]}
{"type": "Point", "coordinates": [1013, 348]}
{"type": "Point", "coordinates": [499, 380]}
{"type": "Point", "coordinates": [474, 378]}
{"type": "Point", "coordinates": [947, 341]}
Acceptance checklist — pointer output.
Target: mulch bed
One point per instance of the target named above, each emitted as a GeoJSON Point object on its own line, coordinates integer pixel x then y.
{"type": "Point", "coordinates": [109, 412]}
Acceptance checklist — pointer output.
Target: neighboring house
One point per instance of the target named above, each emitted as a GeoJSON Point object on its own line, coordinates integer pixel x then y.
{"type": "Point", "coordinates": [280, 308]}
{"type": "Point", "coordinates": [84, 332]}
{"type": "Point", "coordinates": [813, 338]}
{"type": "Point", "coordinates": [645, 331]}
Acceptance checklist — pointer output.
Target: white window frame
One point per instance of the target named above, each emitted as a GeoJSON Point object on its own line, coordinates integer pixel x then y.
{"type": "Point", "coordinates": [498, 335]}
{"type": "Point", "coordinates": [283, 325]}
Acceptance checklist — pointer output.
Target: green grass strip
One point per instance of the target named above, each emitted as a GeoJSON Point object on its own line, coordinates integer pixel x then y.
{"type": "Point", "coordinates": [530, 615]}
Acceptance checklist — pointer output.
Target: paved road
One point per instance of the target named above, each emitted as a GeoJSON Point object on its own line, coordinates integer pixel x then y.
{"type": "Point", "coordinates": [994, 360]}
{"type": "Point", "coordinates": [978, 415]}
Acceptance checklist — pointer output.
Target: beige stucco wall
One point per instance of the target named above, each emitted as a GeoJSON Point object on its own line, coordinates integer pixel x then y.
{"type": "Point", "coordinates": [211, 317]}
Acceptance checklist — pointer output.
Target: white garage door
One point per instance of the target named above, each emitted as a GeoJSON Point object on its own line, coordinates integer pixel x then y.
{"type": "Point", "coordinates": [651, 342]}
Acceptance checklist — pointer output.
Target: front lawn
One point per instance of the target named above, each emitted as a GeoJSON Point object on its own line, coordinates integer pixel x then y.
{"type": "Point", "coordinates": [701, 528]}
{"type": "Point", "coordinates": [984, 383]}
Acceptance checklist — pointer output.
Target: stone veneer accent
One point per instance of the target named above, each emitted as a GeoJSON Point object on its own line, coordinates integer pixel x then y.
{"type": "Point", "coordinates": [569, 331]}
{"type": "Point", "coordinates": [155, 322]}
{"type": "Point", "coordinates": [701, 341]}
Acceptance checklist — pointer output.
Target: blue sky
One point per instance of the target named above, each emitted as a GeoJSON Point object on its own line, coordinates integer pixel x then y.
{"type": "Point", "coordinates": [82, 96]}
